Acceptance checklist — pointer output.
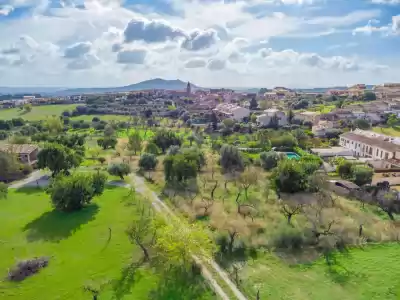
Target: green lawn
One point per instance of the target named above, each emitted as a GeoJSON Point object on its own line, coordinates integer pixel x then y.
{"type": "Point", "coordinates": [365, 274]}
{"type": "Point", "coordinates": [80, 251]}
{"type": "Point", "coordinates": [37, 113]}
{"type": "Point", "coordinates": [392, 131]}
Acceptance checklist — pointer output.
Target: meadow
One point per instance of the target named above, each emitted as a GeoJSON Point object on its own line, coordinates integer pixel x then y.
{"type": "Point", "coordinates": [392, 131]}
{"type": "Point", "coordinates": [37, 113]}
{"type": "Point", "coordinates": [85, 248]}
{"type": "Point", "coordinates": [361, 274]}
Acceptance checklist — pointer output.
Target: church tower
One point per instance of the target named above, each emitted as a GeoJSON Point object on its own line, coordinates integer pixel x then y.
{"type": "Point", "coordinates": [188, 89]}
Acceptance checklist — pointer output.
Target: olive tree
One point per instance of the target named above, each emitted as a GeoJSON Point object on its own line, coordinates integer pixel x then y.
{"type": "Point", "coordinates": [119, 169]}
{"type": "Point", "coordinates": [70, 193]}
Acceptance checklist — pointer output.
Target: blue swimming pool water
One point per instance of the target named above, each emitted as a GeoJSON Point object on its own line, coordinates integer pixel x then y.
{"type": "Point", "coordinates": [292, 155]}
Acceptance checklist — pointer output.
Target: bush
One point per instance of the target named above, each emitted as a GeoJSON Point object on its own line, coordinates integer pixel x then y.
{"type": "Point", "coordinates": [3, 135]}
{"type": "Point", "coordinates": [120, 170]}
{"type": "Point", "coordinates": [26, 169]}
{"type": "Point", "coordinates": [3, 190]}
{"type": "Point", "coordinates": [27, 268]}
{"type": "Point", "coordinates": [152, 148]}
{"type": "Point", "coordinates": [361, 175]}
{"type": "Point", "coordinates": [290, 177]}
{"type": "Point", "coordinates": [289, 238]}
{"type": "Point", "coordinates": [344, 169]}
{"type": "Point", "coordinates": [269, 160]}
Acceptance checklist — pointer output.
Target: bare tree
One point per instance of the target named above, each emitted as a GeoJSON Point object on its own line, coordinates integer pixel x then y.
{"type": "Point", "coordinates": [289, 210]}
{"type": "Point", "coordinates": [389, 203]}
{"type": "Point", "coordinates": [248, 178]}
{"type": "Point", "coordinates": [244, 209]}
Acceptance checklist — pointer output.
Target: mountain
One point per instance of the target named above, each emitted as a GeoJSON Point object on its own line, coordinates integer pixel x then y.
{"type": "Point", "coordinates": [156, 83]}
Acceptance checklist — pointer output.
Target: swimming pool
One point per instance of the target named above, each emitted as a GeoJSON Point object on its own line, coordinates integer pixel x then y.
{"type": "Point", "coordinates": [292, 155]}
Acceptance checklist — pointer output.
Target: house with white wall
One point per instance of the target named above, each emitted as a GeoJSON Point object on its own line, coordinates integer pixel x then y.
{"type": "Point", "coordinates": [232, 111]}
{"type": "Point", "coordinates": [266, 117]}
{"type": "Point", "coordinates": [368, 146]}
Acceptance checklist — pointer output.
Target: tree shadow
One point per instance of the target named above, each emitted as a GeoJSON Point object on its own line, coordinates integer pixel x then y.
{"type": "Point", "coordinates": [30, 190]}
{"type": "Point", "coordinates": [179, 284]}
{"type": "Point", "coordinates": [122, 286]}
{"type": "Point", "coordinates": [55, 225]}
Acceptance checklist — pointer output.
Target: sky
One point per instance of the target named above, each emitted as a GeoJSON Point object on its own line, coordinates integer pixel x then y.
{"type": "Point", "coordinates": [211, 43]}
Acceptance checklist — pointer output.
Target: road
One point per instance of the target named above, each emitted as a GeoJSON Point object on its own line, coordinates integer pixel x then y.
{"type": "Point", "coordinates": [39, 179]}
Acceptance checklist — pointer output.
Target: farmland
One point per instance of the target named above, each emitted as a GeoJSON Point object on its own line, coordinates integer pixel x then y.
{"type": "Point", "coordinates": [37, 113]}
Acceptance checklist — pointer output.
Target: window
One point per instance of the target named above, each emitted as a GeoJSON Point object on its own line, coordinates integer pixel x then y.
{"type": "Point", "coordinates": [381, 153]}
{"type": "Point", "coordinates": [377, 152]}
{"type": "Point", "coordinates": [386, 155]}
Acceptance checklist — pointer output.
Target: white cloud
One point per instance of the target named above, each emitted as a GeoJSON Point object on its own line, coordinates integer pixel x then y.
{"type": "Point", "coordinates": [386, 1]}
{"type": "Point", "coordinates": [216, 64]}
{"type": "Point", "coordinates": [207, 42]}
{"type": "Point", "coordinates": [5, 10]}
{"type": "Point", "coordinates": [390, 29]}
{"type": "Point", "coordinates": [136, 56]}
{"type": "Point", "coordinates": [195, 63]}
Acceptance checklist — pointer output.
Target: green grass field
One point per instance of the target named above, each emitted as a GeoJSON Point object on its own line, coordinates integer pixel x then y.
{"type": "Point", "coordinates": [363, 274]}
{"type": "Point", "coordinates": [80, 251]}
{"type": "Point", "coordinates": [37, 113]}
{"type": "Point", "coordinates": [392, 131]}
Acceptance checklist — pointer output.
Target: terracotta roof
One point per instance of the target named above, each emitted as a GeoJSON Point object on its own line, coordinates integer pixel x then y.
{"type": "Point", "coordinates": [19, 149]}
{"type": "Point", "coordinates": [371, 141]}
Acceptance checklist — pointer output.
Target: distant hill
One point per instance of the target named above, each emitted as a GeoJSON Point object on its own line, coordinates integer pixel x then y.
{"type": "Point", "coordinates": [157, 83]}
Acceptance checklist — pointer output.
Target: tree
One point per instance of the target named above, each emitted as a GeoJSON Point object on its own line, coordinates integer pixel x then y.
{"type": "Point", "coordinates": [54, 125]}
{"type": "Point", "coordinates": [361, 124]}
{"type": "Point", "coordinates": [228, 123]}
{"type": "Point", "coordinates": [10, 167]}
{"type": "Point", "coordinates": [3, 190]}
{"type": "Point", "coordinates": [361, 174]}
{"type": "Point", "coordinates": [58, 158]}
{"type": "Point", "coordinates": [135, 142]}
{"type": "Point", "coordinates": [70, 193]}
{"type": "Point", "coordinates": [393, 120]}
{"type": "Point", "coordinates": [94, 152]}
{"type": "Point", "coordinates": [177, 241]}
{"type": "Point", "coordinates": [109, 131]}
{"type": "Point", "coordinates": [248, 178]}
{"type": "Point", "coordinates": [269, 160]}
{"type": "Point", "coordinates": [27, 107]}
{"type": "Point", "coordinates": [179, 169]}
{"type": "Point", "coordinates": [231, 159]}
{"type": "Point", "coordinates": [165, 139]}
{"type": "Point", "coordinates": [102, 160]}
{"type": "Point", "coordinates": [142, 232]}
{"type": "Point", "coordinates": [289, 210]}
{"type": "Point", "coordinates": [148, 162]}
{"type": "Point", "coordinates": [153, 149]}
{"type": "Point", "coordinates": [253, 118]}
{"type": "Point", "coordinates": [369, 96]}
{"type": "Point", "coordinates": [119, 169]}
{"type": "Point", "coordinates": [339, 103]}
{"type": "Point", "coordinates": [253, 103]}
{"type": "Point", "coordinates": [19, 139]}
{"type": "Point", "coordinates": [344, 169]}
{"type": "Point", "coordinates": [289, 177]}
{"type": "Point", "coordinates": [290, 116]}
{"type": "Point", "coordinates": [107, 142]}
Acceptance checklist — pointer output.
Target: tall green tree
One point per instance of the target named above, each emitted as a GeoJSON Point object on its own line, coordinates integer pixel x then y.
{"type": "Point", "coordinates": [148, 162]}
{"type": "Point", "coordinates": [58, 158]}
{"type": "Point", "coordinates": [119, 169]}
{"type": "Point", "coordinates": [289, 177]}
{"type": "Point", "coordinates": [135, 142]}
{"type": "Point", "coordinates": [165, 139]}
{"type": "Point", "coordinates": [231, 159]}
{"type": "Point", "coordinates": [70, 193]}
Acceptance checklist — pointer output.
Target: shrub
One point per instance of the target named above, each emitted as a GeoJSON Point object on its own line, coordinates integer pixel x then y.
{"type": "Point", "coordinates": [27, 268]}
{"type": "Point", "coordinates": [361, 174]}
{"type": "Point", "coordinates": [120, 170]}
{"type": "Point", "coordinates": [344, 169]}
{"type": "Point", "coordinates": [101, 160]}
{"type": "Point", "coordinates": [290, 177]}
{"type": "Point", "coordinates": [152, 148]}
{"type": "Point", "coordinates": [269, 160]}
{"type": "Point", "coordinates": [3, 135]}
{"type": "Point", "coordinates": [231, 159]}
{"type": "Point", "coordinates": [3, 190]}
{"type": "Point", "coordinates": [289, 238]}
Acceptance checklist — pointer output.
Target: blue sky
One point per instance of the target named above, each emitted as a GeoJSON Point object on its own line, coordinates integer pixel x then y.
{"type": "Point", "coordinates": [252, 43]}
